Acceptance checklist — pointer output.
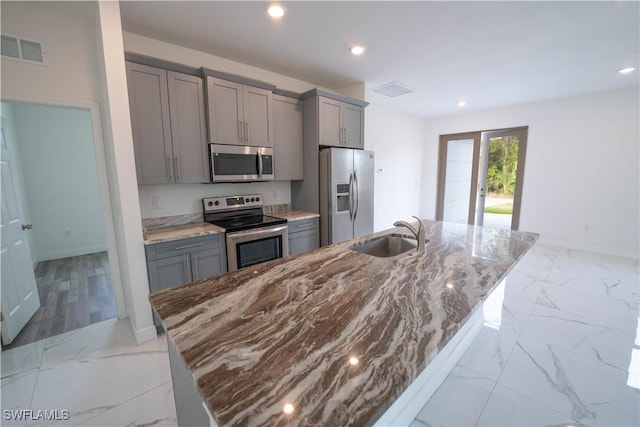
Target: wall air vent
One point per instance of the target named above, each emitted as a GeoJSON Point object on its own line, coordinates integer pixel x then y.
{"type": "Point", "coordinates": [23, 50]}
{"type": "Point", "coordinates": [393, 89]}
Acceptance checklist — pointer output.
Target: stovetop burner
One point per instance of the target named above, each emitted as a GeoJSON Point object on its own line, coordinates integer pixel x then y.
{"type": "Point", "coordinates": [237, 213]}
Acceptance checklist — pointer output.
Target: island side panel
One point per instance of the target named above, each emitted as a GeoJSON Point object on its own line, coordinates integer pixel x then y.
{"type": "Point", "coordinates": [189, 409]}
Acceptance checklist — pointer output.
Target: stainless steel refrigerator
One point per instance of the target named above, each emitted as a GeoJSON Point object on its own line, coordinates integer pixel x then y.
{"type": "Point", "coordinates": [346, 194]}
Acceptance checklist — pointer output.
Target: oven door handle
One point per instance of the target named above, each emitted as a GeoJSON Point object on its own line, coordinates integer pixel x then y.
{"type": "Point", "coordinates": [255, 232]}
{"type": "Point", "coordinates": [259, 164]}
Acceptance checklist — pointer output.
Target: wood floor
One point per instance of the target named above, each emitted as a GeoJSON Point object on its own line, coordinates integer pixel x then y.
{"type": "Point", "coordinates": [74, 292]}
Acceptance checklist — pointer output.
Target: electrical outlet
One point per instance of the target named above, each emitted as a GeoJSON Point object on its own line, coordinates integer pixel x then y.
{"type": "Point", "coordinates": [155, 201]}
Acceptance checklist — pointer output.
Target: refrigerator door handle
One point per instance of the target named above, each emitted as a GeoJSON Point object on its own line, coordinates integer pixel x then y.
{"type": "Point", "coordinates": [357, 192]}
{"type": "Point", "coordinates": [351, 216]}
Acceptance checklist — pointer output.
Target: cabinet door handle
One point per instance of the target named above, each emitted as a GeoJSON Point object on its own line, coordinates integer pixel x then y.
{"type": "Point", "coordinates": [170, 168]}
{"type": "Point", "coordinates": [177, 162]}
{"type": "Point", "coordinates": [195, 245]}
{"type": "Point", "coordinates": [240, 133]}
{"type": "Point", "coordinates": [246, 132]}
{"type": "Point", "coordinates": [187, 269]}
{"type": "Point", "coordinates": [194, 260]}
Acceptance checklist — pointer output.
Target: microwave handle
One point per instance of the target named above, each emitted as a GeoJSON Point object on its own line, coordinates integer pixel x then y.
{"type": "Point", "coordinates": [259, 164]}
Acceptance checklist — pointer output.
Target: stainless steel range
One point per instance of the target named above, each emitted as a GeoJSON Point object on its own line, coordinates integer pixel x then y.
{"type": "Point", "coordinates": [251, 237]}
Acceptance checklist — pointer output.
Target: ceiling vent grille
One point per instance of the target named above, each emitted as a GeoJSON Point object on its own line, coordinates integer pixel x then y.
{"type": "Point", "coordinates": [23, 50]}
{"type": "Point", "coordinates": [393, 89]}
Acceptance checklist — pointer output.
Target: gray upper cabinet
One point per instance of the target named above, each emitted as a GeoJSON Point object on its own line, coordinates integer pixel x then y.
{"type": "Point", "coordinates": [334, 122]}
{"type": "Point", "coordinates": [340, 124]}
{"type": "Point", "coordinates": [287, 132]}
{"type": "Point", "coordinates": [149, 106]}
{"type": "Point", "coordinates": [168, 125]}
{"type": "Point", "coordinates": [239, 114]}
{"type": "Point", "coordinates": [188, 128]}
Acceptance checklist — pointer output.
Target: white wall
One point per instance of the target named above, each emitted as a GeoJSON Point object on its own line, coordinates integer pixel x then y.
{"type": "Point", "coordinates": [581, 179]}
{"type": "Point", "coordinates": [70, 43]}
{"type": "Point", "coordinates": [397, 139]}
{"type": "Point", "coordinates": [56, 148]}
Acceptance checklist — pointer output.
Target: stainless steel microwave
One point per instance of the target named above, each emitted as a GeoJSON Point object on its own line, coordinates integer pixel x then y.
{"type": "Point", "coordinates": [238, 163]}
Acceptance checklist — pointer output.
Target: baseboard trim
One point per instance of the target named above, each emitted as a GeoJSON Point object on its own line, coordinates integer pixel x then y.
{"type": "Point", "coordinates": [589, 248]}
{"type": "Point", "coordinates": [144, 334]}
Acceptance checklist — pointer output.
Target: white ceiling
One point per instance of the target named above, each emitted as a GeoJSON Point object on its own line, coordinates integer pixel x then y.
{"type": "Point", "coordinates": [489, 54]}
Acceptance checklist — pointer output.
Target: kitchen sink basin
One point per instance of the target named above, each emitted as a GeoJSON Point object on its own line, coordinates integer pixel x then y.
{"type": "Point", "coordinates": [386, 246]}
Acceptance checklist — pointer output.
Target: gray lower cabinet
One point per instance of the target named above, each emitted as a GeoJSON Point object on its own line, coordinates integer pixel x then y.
{"type": "Point", "coordinates": [287, 132]}
{"type": "Point", "coordinates": [183, 261]}
{"type": "Point", "coordinates": [304, 235]}
{"type": "Point", "coordinates": [168, 121]}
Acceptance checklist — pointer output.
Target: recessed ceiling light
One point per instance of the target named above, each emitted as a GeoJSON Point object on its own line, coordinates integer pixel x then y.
{"type": "Point", "coordinates": [357, 50]}
{"type": "Point", "coordinates": [626, 70]}
{"type": "Point", "coordinates": [275, 11]}
{"type": "Point", "coordinates": [462, 103]}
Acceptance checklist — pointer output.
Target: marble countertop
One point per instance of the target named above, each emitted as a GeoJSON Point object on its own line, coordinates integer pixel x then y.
{"type": "Point", "coordinates": [284, 331]}
{"type": "Point", "coordinates": [296, 215]}
{"type": "Point", "coordinates": [177, 232]}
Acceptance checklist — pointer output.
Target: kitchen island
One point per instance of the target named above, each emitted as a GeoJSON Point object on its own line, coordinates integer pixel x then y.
{"type": "Point", "coordinates": [332, 336]}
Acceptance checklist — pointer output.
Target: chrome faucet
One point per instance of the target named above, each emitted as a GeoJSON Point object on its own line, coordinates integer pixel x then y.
{"type": "Point", "coordinates": [419, 233]}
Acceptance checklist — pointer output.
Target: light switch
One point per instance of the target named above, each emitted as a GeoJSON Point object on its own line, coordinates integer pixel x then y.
{"type": "Point", "coordinates": [156, 202]}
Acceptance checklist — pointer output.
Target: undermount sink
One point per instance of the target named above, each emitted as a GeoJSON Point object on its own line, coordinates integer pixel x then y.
{"type": "Point", "coordinates": [386, 246]}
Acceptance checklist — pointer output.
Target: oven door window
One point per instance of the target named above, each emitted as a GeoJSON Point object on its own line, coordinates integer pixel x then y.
{"type": "Point", "coordinates": [235, 164]}
{"type": "Point", "coordinates": [257, 251]}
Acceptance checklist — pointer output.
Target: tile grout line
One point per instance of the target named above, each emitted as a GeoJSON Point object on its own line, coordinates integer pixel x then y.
{"type": "Point", "coordinates": [506, 362]}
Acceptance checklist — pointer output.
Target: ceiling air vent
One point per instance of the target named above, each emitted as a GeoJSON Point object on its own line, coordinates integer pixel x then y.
{"type": "Point", "coordinates": [23, 50]}
{"type": "Point", "coordinates": [393, 89]}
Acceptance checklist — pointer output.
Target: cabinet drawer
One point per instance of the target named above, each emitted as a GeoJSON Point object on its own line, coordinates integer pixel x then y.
{"type": "Point", "coordinates": [303, 225]}
{"type": "Point", "coordinates": [182, 247]}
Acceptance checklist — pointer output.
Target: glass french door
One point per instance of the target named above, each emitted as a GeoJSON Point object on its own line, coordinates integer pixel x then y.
{"type": "Point", "coordinates": [480, 177]}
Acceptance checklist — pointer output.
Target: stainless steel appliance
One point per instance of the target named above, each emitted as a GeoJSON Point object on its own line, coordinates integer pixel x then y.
{"type": "Point", "coordinates": [240, 163]}
{"type": "Point", "coordinates": [251, 237]}
{"type": "Point", "coordinates": [346, 194]}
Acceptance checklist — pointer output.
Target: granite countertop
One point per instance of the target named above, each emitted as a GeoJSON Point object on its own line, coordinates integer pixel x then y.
{"type": "Point", "coordinates": [177, 232]}
{"type": "Point", "coordinates": [296, 215]}
{"type": "Point", "coordinates": [284, 331]}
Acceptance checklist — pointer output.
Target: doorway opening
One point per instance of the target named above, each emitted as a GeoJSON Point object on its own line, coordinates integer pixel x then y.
{"type": "Point", "coordinates": [66, 260]}
{"type": "Point", "coordinates": [480, 177]}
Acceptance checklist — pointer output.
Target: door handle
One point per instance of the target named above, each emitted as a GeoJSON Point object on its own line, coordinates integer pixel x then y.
{"type": "Point", "coordinates": [194, 261]}
{"type": "Point", "coordinates": [177, 163]}
{"type": "Point", "coordinates": [26, 227]}
{"type": "Point", "coordinates": [351, 196]}
{"type": "Point", "coordinates": [240, 131]}
{"type": "Point", "coordinates": [187, 269]}
{"type": "Point", "coordinates": [170, 168]}
{"type": "Point", "coordinates": [259, 164]}
{"type": "Point", "coordinates": [355, 180]}
{"type": "Point", "coordinates": [246, 132]}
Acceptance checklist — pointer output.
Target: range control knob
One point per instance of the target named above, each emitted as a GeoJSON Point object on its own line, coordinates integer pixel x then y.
{"type": "Point", "coordinates": [217, 202]}
{"type": "Point", "coordinates": [246, 200]}
{"type": "Point", "coordinates": [253, 199]}
{"type": "Point", "coordinates": [257, 199]}
{"type": "Point", "coordinates": [210, 203]}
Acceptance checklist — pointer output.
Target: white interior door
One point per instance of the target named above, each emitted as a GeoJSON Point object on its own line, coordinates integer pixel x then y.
{"type": "Point", "coordinates": [19, 293]}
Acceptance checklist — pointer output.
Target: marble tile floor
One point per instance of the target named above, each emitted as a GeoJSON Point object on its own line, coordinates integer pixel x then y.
{"type": "Point", "coordinates": [560, 346]}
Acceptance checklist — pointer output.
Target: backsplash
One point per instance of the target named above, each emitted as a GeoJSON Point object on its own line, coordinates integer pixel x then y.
{"type": "Point", "coordinates": [167, 221]}
{"type": "Point", "coordinates": [276, 209]}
